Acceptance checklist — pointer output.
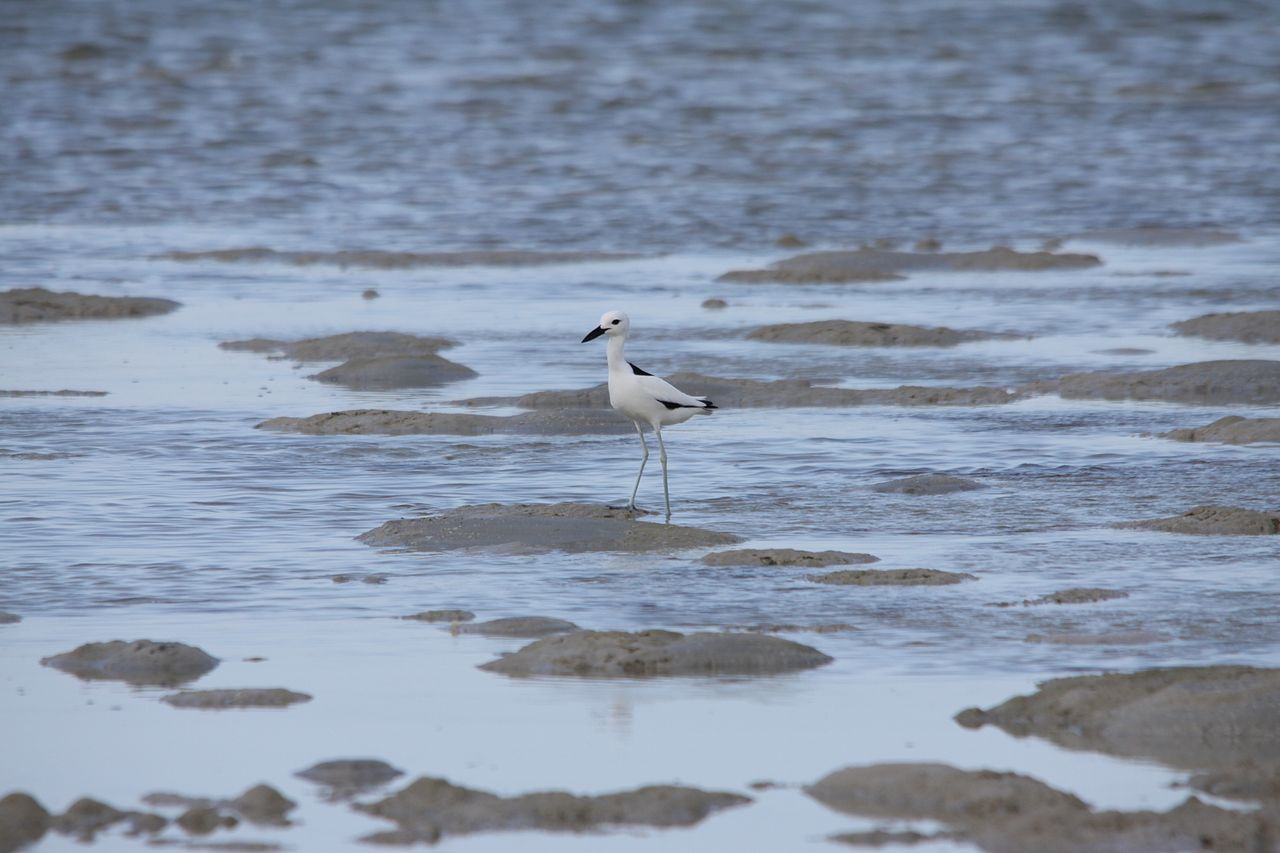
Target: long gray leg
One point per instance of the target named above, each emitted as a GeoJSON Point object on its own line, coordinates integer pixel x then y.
{"type": "Point", "coordinates": [643, 459]}
{"type": "Point", "coordinates": [662, 455]}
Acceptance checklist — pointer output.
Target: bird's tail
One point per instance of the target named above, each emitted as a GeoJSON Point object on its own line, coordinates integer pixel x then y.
{"type": "Point", "coordinates": [707, 406]}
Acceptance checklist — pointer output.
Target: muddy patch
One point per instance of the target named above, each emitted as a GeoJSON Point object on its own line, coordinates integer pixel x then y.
{"type": "Point", "coordinates": [65, 392]}
{"type": "Point", "coordinates": [1190, 717]}
{"type": "Point", "coordinates": [343, 347]}
{"type": "Point", "coordinates": [249, 697]}
{"type": "Point", "coordinates": [1232, 429]}
{"type": "Point", "coordinates": [533, 528]}
{"type": "Point", "coordinates": [375, 259]}
{"type": "Point", "coordinates": [852, 333]}
{"type": "Point", "coordinates": [262, 805]}
{"type": "Point", "coordinates": [1074, 595]}
{"type": "Point", "coordinates": [892, 577]}
{"type": "Point", "coordinates": [1253, 382]}
{"type": "Point", "coordinates": [756, 394]}
{"type": "Point", "coordinates": [1251, 327]}
{"type": "Point", "coordinates": [343, 778]}
{"type": "Point", "coordinates": [871, 265]}
{"type": "Point", "coordinates": [657, 653]}
{"type": "Point", "coordinates": [22, 821]}
{"type": "Point", "coordinates": [371, 360]}
{"type": "Point", "coordinates": [86, 817]}
{"type": "Point", "coordinates": [137, 662]}
{"type": "Point", "coordinates": [397, 422]}
{"type": "Point", "coordinates": [518, 626]}
{"type": "Point", "coordinates": [1106, 638]}
{"type": "Point", "coordinates": [1011, 813]}
{"type": "Point", "coordinates": [37, 305]}
{"type": "Point", "coordinates": [406, 371]}
{"type": "Point", "coordinates": [927, 484]}
{"type": "Point", "coordinates": [9, 618]}
{"type": "Point", "coordinates": [786, 557]}
{"type": "Point", "coordinates": [442, 616]}
{"type": "Point", "coordinates": [1212, 521]}
{"type": "Point", "coordinates": [431, 808]}
{"type": "Point", "coordinates": [1160, 238]}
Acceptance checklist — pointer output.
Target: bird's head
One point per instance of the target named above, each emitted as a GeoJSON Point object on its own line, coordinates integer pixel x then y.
{"type": "Point", "coordinates": [613, 323]}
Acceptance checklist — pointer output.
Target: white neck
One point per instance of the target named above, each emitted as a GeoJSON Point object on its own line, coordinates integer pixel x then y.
{"type": "Point", "coordinates": [616, 361]}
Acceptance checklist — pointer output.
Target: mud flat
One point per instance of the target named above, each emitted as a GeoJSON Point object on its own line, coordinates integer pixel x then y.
{"type": "Point", "coordinates": [431, 808]}
{"type": "Point", "coordinates": [262, 805]}
{"type": "Point", "coordinates": [1156, 237]}
{"type": "Point", "coordinates": [348, 776]}
{"type": "Point", "coordinates": [343, 347]}
{"type": "Point", "coordinates": [442, 616]}
{"type": "Point", "coordinates": [1254, 382]}
{"type": "Point", "coordinates": [65, 392]}
{"type": "Point", "coordinates": [892, 577]}
{"type": "Point", "coordinates": [786, 557]}
{"type": "Point", "coordinates": [1189, 717]}
{"type": "Point", "coordinates": [927, 484]}
{"type": "Point", "coordinates": [851, 333]}
{"type": "Point", "coordinates": [137, 662]}
{"type": "Point", "coordinates": [1213, 521]}
{"type": "Point", "coordinates": [376, 259]}
{"type": "Point", "coordinates": [400, 422]}
{"type": "Point", "coordinates": [657, 653]}
{"type": "Point", "coordinates": [519, 626]}
{"type": "Point", "coordinates": [371, 360]}
{"type": "Point", "coordinates": [248, 697]}
{"type": "Point", "coordinates": [760, 394]}
{"type": "Point", "coordinates": [871, 265]}
{"type": "Point", "coordinates": [37, 305]}
{"type": "Point", "coordinates": [1074, 595]}
{"type": "Point", "coordinates": [1251, 327]}
{"type": "Point", "coordinates": [1011, 813]}
{"type": "Point", "coordinates": [531, 528]}
{"type": "Point", "coordinates": [1232, 429]}
{"type": "Point", "coordinates": [1105, 638]}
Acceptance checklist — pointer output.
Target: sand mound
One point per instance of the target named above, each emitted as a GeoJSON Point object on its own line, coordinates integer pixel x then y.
{"type": "Point", "coordinates": [396, 422]}
{"type": "Point", "coordinates": [892, 577]}
{"type": "Point", "coordinates": [927, 484]}
{"type": "Point", "coordinates": [573, 527]}
{"type": "Point", "coordinates": [248, 697]}
{"type": "Point", "coordinates": [1193, 717]}
{"type": "Point", "coordinates": [138, 662]}
{"type": "Point", "coordinates": [1252, 327]}
{"type": "Point", "coordinates": [786, 557]}
{"type": "Point", "coordinates": [375, 259]}
{"type": "Point", "coordinates": [1011, 813]}
{"type": "Point", "coordinates": [651, 653]}
{"type": "Point", "coordinates": [35, 305]}
{"type": "Point", "coordinates": [1232, 429]}
{"type": "Point", "coordinates": [519, 626]}
{"type": "Point", "coordinates": [1213, 521]}
{"type": "Point", "coordinates": [1203, 383]}
{"type": "Point", "coordinates": [430, 808]}
{"type": "Point", "coordinates": [870, 265]}
{"type": "Point", "coordinates": [859, 334]}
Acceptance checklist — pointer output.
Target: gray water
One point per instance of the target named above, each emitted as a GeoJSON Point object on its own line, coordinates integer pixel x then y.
{"type": "Point", "coordinates": [694, 135]}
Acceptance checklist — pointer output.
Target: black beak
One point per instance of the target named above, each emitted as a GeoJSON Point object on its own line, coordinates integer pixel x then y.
{"type": "Point", "coordinates": [593, 334]}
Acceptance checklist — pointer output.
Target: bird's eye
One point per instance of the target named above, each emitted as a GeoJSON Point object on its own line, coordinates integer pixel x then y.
{"type": "Point", "coordinates": [616, 322]}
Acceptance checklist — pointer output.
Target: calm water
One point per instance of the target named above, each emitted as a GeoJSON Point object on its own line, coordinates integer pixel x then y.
{"type": "Point", "coordinates": [694, 135]}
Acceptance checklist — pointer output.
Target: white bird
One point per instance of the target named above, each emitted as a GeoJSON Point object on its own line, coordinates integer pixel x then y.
{"type": "Point", "coordinates": [643, 397]}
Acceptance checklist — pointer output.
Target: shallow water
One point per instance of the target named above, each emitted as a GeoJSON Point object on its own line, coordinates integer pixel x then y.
{"type": "Point", "coordinates": [695, 136]}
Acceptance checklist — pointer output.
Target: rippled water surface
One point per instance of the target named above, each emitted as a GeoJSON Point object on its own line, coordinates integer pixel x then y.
{"type": "Point", "coordinates": [693, 135]}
